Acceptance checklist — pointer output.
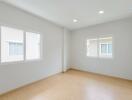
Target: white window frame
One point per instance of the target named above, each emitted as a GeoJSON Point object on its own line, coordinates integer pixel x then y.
{"type": "Point", "coordinates": [98, 47]}
{"type": "Point", "coordinates": [41, 47]}
{"type": "Point", "coordinates": [87, 48]}
{"type": "Point", "coordinates": [24, 45]}
{"type": "Point", "coordinates": [9, 62]}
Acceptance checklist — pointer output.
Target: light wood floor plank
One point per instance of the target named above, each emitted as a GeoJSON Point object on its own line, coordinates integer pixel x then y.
{"type": "Point", "coordinates": [74, 85]}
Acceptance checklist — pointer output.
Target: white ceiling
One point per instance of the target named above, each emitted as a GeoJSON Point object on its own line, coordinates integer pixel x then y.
{"type": "Point", "coordinates": [63, 12]}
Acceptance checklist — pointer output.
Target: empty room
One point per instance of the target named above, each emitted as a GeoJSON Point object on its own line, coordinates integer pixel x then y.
{"type": "Point", "coordinates": [65, 49]}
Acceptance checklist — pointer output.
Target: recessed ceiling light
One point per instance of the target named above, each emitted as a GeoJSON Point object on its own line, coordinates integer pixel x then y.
{"type": "Point", "coordinates": [75, 20]}
{"type": "Point", "coordinates": [101, 12]}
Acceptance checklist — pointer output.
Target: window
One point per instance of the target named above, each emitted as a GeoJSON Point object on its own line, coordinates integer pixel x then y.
{"type": "Point", "coordinates": [100, 47]}
{"type": "Point", "coordinates": [32, 46]}
{"type": "Point", "coordinates": [92, 48]}
{"type": "Point", "coordinates": [105, 45]}
{"type": "Point", "coordinates": [11, 44]}
{"type": "Point", "coordinates": [17, 45]}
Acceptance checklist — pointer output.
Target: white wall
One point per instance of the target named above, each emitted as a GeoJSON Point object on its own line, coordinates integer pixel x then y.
{"type": "Point", "coordinates": [121, 64]}
{"type": "Point", "coordinates": [67, 49]}
{"type": "Point", "coordinates": [18, 74]}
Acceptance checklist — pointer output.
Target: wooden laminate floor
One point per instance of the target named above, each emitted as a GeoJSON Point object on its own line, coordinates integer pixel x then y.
{"type": "Point", "coordinates": [74, 85]}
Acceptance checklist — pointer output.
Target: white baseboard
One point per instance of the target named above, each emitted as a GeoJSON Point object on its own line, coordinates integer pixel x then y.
{"type": "Point", "coordinates": [114, 76]}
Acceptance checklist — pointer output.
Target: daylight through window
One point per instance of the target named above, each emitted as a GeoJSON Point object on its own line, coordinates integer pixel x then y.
{"type": "Point", "coordinates": [14, 48]}
{"type": "Point", "coordinates": [100, 47]}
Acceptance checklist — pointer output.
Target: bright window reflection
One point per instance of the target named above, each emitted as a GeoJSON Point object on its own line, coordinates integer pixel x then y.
{"type": "Point", "coordinates": [32, 46]}
{"type": "Point", "coordinates": [99, 47]}
{"type": "Point", "coordinates": [11, 44]}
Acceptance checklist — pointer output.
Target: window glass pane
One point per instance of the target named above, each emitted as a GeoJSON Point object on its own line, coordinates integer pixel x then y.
{"type": "Point", "coordinates": [32, 46]}
{"type": "Point", "coordinates": [110, 48]}
{"type": "Point", "coordinates": [15, 48]}
{"type": "Point", "coordinates": [11, 44]}
{"type": "Point", "coordinates": [103, 48]}
{"type": "Point", "coordinates": [92, 47]}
